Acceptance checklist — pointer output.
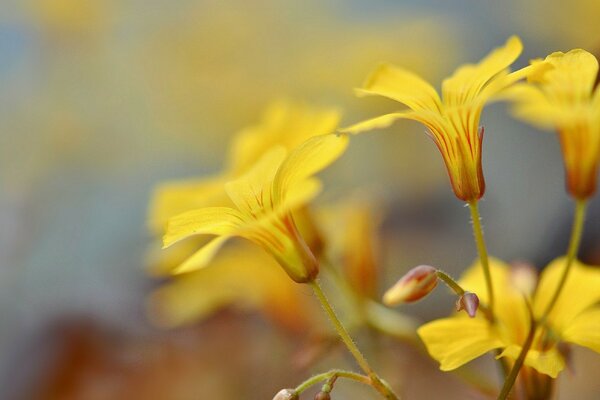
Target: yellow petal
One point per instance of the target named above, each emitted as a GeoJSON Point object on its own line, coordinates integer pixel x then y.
{"type": "Point", "coordinates": [468, 81]}
{"type": "Point", "coordinates": [306, 160]}
{"type": "Point", "coordinates": [549, 362]}
{"type": "Point", "coordinates": [403, 86]}
{"type": "Point", "coordinates": [380, 122]}
{"type": "Point", "coordinates": [205, 221]}
{"type": "Point", "coordinates": [284, 123]}
{"type": "Point", "coordinates": [584, 330]}
{"type": "Point", "coordinates": [579, 293]}
{"type": "Point", "coordinates": [573, 75]}
{"type": "Point", "coordinates": [251, 192]}
{"type": "Point", "coordinates": [202, 257]}
{"type": "Point", "coordinates": [458, 340]}
{"type": "Point", "coordinates": [510, 308]}
{"type": "Point", "coordinates": [175, 198]}
{"type": "Point", "coordinates": [533, 106]}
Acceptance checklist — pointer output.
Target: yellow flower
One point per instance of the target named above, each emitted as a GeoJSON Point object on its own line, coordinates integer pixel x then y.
{"type": "Point", "coordinates": [263, 200]}
{"type": "Point", "coordinates": [283, 123]}
{"type": "Point", "coordinates": [575, 318]}
{"type": "Point", "coordinates": [562, 96]}
{"type": "Point", "coordinates": [452, 121]}
{"type": "Point", "coordinates": [259, 285]}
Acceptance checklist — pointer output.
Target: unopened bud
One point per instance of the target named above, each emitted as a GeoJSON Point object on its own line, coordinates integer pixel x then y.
{"type": "Point", "coordinates": [286, 394]}
{"type": "Point", "coordinates": [323, 396]}
{"type": "Point", "coordinates": [468, 302]}
{"type": "Point", "coordinates": [416, 284]}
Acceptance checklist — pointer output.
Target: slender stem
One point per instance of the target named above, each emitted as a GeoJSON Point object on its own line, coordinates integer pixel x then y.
{"type": "Point", "coordinates": [574, 242]}
{"type": "Point", "coordinates": [514, 372]}
{"type": "Point", "coordinates": [326, 376]}
{"type": "Point", "coordinates": [483, 255]}
{"type": "Point", "coordinates": [376, 382]}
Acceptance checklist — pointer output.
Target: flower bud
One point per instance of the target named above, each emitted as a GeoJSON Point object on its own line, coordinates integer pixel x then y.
{"type": "Point", "coordinates": [323, 396]}
{"type": "Point", "coordinates": [414, 285]}
{"type": "Point", "coordinates": [468, 302]}
{"type": "Point", "coordinates": [286, 394]}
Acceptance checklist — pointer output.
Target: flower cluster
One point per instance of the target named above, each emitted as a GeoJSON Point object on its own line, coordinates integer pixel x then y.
{"type": "Point", "coordinates": [264, 196]}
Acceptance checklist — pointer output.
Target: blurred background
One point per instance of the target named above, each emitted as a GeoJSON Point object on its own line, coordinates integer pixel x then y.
{"type": "Point", "coordinates": [101, 100]}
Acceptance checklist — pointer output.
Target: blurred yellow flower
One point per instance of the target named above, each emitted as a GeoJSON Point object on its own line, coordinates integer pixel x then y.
{"type": "Point", "coordinates": [452, 121]}
{"type": "Point", "coordinates": [259, 285]}
{"type": "Point", "coordinates": [575, 318]}
{"type": "Point", "coordinates": [562, 97]}
{"type": "Point", "coordinates": [263, 200]}
{"type": "Point", "coordinates": [284, 123]}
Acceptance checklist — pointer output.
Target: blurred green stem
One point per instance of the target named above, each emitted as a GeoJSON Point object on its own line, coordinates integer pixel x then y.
{"type": "Point", "coordinates": [375, 381]}
{"type": "Point", "coordinates": [483, 254]}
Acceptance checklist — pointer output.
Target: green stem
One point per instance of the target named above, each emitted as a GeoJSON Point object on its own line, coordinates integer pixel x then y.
{"type": "Point", "coordinates": [514, 372]}
{"type": "Point", "coordinates": [375, 381]}
{"type": "Point", "coordinates": [483, 255]}
{"type": "Point", "coordinates": [326, 376]}
{"type": "Point", "coordinates": [574, 242]}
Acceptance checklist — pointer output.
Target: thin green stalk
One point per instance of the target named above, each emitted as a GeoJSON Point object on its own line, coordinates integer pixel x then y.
{"type": "Point", "coordinates": [574, 242]}
{"type": "Point", "coordinates": [326, 376]}
{"type": "Point", "coordinates": [514, 372]}
{"type": "Point", "coordinates": [483, 255]}
{"type": "Point", "coordinates": [376, 381]}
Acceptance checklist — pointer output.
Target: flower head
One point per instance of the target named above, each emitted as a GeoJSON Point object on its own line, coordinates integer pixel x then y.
{"type": "Point", "coordinates": [263, 200]}
{"type": "Point", "coordinates": [284, 123]}
{"type": "Point", "coordinates": [452, 121]}
{"type": "Point", "coordinates": [575, 319]}
{"type": "Point", "coordinates": [561, 96]}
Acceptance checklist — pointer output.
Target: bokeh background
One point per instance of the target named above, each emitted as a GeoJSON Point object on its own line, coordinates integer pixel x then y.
{"type": "Point", "coordinates": [101, 100]}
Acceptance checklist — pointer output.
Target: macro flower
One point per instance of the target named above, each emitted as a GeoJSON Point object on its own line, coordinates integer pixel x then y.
{"type": "Point", "coordinates": [284, 123]}
{"type": "Point", "coordinates": [561, 96]}
{"type": "Point", "coordinates": [262, 201]}
{"type": "Point", "coordinates": [452, 121]}
{"type": "Point", "coordinates": [575, 318]}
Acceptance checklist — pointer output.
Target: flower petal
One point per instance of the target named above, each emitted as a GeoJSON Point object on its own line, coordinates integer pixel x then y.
{"type": "Point", "coordinates": [584, 330]}
{"type": "Point", "coordinates": [205, 221]}
{"type": "Point", "coordinates": [202, 257]}
{"type": "Point", "coordinates": [306, 160]}
{"type": "Point", "coordinates": [579, 293]}
{"type": "Point", "coordinates": [251, 192]}
{"type": "Point", "coordinates": [468, 81]}
{"type": "Point", "coordinates": [175, 198]}
{"type": "Point", "coordinates": [549, 362]}
{"type": "Point", "coordinates": [403, 86]}
{"type": "Point", "coordinates": [458, 340]}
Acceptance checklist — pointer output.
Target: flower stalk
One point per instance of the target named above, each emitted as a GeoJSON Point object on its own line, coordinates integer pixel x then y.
{"type": "Point", "coordinates": [483, 254]}
{"type": "Point", "coordinates": [374, 380]}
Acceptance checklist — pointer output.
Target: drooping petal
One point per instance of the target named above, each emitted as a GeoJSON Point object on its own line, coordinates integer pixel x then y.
{"type": "Point", "coordinates": [202, 257]}
{"type": "Point", "coordinates": [403, 86]}
{"type": "Point", "coordinates": [456, 341]}
{"type": "Point", "coordinates": [548, 362]}
{"type": "Point", "coordinates": [205, 221]}
{"type": "Point", "coordinates": [306, 160]}
{"type": "Point", "coordinates": [380, 122]}
{"type": "Point", "coordinates": [581, 291]}
{"type": "Point", "coordinates": [468, 81]}
{"type": "Point", "coordinates": [584, 330]}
